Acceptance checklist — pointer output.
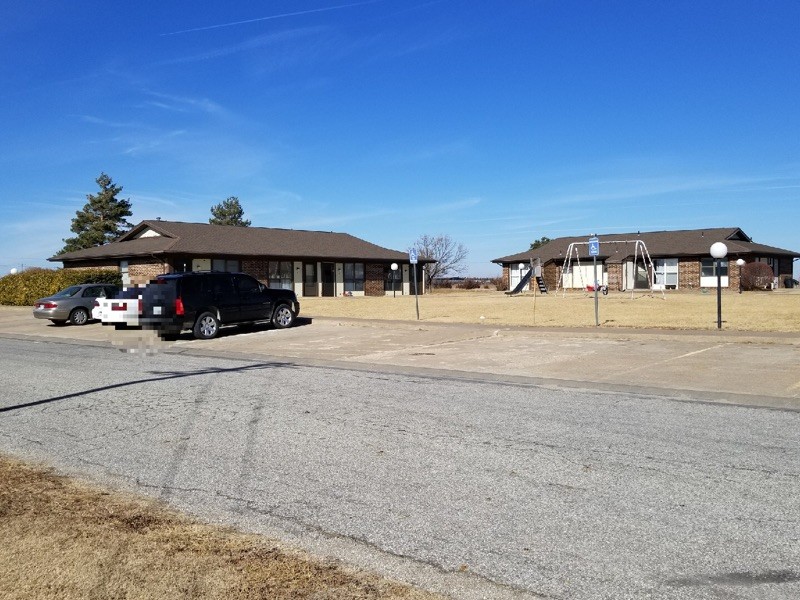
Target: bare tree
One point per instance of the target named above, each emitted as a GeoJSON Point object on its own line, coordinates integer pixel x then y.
{"type": "Point", "coordinates": [448, 254]}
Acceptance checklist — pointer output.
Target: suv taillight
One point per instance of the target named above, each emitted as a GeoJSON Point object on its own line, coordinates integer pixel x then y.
{"type": "Point", "coordinates": [179, 307]}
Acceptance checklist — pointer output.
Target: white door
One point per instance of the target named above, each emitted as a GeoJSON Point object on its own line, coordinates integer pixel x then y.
{"type": "Point", "coordinates": [516, 273]}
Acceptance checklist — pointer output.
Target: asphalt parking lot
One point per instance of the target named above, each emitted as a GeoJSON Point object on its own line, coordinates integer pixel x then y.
{"type": "Point", "coordinates": [759, 369]}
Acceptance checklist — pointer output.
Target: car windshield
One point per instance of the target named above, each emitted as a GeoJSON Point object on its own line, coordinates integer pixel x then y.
{"type": "Point", "coordinates": [68, 293]}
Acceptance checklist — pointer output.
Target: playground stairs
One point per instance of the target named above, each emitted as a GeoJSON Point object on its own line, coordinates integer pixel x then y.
{"type": "Point", "coordinates": [542, 285]}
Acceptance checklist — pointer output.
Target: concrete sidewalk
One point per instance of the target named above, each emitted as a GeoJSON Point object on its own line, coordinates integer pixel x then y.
{"type": "Point", "coordinates": [758, 369]}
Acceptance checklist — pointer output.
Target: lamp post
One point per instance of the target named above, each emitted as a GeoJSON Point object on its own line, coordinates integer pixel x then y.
{"type": "Point", "coordinates": [394, 280]}
{"type": "Point", "coordinates": [718, 252]}
{"type": "Point", "coordinates": [740, 263]}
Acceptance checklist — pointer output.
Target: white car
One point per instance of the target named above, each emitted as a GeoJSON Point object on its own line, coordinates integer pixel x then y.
{"type": "Point", "coordinates": [122, 311]}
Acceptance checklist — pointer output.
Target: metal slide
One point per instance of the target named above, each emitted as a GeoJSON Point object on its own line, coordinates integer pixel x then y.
{"type": "Point", "coordinates": [522, 283]}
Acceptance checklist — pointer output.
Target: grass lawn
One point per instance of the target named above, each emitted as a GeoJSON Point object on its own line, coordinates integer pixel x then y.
{"type": "Point", "coordinates": [750, 311]}
{"type": "Point", "coordinates": [68, 541]}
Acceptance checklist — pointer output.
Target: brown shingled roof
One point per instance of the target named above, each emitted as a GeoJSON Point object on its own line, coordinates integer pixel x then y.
{"type": "Point", "coordinates": [201, 239]}
{"type": "Point", "coordinates": [659, 244]}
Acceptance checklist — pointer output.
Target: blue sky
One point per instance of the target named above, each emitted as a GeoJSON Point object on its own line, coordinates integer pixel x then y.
{"type": "Point", "coordinates": [496, 122]}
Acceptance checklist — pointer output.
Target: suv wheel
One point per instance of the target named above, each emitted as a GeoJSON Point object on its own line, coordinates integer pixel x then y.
{"type": "Point", "coordinates": [283, 317]}
{"type": "Point", "coordinates": [206, 327]}
{"type": "Point", "coordinates": [79, 316]}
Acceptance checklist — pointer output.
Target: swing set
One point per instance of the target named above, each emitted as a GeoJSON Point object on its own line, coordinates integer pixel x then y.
{"type": "Point", "coordinates": [639, 251]}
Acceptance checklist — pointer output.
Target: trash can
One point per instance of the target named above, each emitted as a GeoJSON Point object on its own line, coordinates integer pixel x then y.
{"type": "Point", "coordinates": [788, 282]}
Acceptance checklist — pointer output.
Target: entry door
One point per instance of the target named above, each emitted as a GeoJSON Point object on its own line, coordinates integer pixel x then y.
{"type": "Point", "coordinates": [328, 279]}
{"type": "Point", "coordinates": [310, 280]}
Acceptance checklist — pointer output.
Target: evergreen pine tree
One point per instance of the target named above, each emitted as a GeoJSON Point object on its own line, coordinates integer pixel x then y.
{"type": "Point", "coordinates": [228, 212]}
{"type": "Point", "coordinates": [102, 219]}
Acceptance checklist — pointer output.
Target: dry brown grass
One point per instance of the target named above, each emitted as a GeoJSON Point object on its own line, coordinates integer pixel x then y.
{"type": "Point", "coordinates": [65, 540]}
{"type": "Point", "coordinates": [750, 311]}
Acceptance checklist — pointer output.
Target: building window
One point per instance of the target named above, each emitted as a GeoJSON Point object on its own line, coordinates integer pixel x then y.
{"type": "Point", "coordinates": [708, 267]}
{"type": "Point", "coordinates": [666, 273]}
{"type": "Point", "coordinates": [280, 274]}
{"type": "Point", "coordinates": [353, 277]}
{"type": "Point", "coordinates": [393, 280]}
{"type": "Point", "coordinates": [226, 265]}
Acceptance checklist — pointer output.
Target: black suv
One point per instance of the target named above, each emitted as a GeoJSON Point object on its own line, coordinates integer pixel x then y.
{"type": "Point", "coordinates": [203, 301]}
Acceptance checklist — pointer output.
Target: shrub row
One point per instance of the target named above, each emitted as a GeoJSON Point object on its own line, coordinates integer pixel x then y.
{"type": "Point", "coordinates": [22, 289]}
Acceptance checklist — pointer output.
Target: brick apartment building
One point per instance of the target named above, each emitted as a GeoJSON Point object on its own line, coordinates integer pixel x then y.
{"type": "Point", "coordinates": [312, 263]}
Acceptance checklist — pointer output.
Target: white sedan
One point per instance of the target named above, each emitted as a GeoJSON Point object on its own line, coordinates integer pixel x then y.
{"type": "Point", "coordinates": [122, 311]}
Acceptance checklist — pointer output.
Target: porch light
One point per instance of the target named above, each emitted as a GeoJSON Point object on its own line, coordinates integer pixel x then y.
{"type": "Point", "coordinates": [718, 252]}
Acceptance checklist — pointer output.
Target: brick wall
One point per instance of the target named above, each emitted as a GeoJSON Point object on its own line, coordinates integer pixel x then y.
{"type": "Point", "coordinates": [142, 270]}
{"type": "Point", "coordinates": [373, 280]}
{"type": "Point", "coordinates": [614, 273]}
{"type": "Point", "coordinates": [257, 268]}
{"type": "Point", "coordinates": [551, 272]}
{"type": "Point", "coordinates": [733, 274]}
{"type": "Point", "coordinates": [506, 277]}
{"type": "Point", "coordinates": [688, 273]}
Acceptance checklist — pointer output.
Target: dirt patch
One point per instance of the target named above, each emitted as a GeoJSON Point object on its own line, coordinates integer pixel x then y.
{"type": "Point", "coordinates": [67, 540]}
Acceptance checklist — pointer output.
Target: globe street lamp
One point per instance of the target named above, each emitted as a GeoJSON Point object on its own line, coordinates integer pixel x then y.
{"type": "Point", "coordinates": [740, 263]}
{"type": "Point", "coordinates": [394, 280]}
{"type": "Point", "coordinates": [718, 252]}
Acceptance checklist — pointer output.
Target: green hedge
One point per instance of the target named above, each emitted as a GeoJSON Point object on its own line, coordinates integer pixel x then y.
{"type": "Point", "coordinates": [22, 289]}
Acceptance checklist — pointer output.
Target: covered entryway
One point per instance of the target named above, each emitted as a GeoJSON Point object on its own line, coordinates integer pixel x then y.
{"type": "Point", "coordinates": [328, 279]}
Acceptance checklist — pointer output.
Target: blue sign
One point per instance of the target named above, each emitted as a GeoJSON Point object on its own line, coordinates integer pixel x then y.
{"type": "Point", "coordinates": [412, 256]}
{"type": "Point", "coordinates": [594, 247]}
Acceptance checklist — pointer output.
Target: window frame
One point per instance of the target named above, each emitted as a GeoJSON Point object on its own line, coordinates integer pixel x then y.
{"type": "Point", "coordinates": [352, 281]}
{"type": "Point", "coordinates": [280, 274]}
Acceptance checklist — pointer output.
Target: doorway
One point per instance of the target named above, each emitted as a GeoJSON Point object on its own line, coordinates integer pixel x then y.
{"type": "Point", "coordinates": [328, 279]}
{"type": "Point", "coordinates": [310, 287]}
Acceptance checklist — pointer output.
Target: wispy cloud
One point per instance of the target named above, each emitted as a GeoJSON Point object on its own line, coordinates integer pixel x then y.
{"type": "Point", "coordinates": [429, 211]}
{"type": "Point", "coordinates": [108, 123]}
{"type": "Point", "coordinates": [249, 45]}
{"type": "Point", "coordinates": [613, 189]}
{"type": "Point", "coordinates": [430, 153]}
{"type": "Point", "coordinates": [186, 104]}
{"type": "Point", "coordinates": [151, 144]}
{"type": "Point", "coordinates": [273, 17]}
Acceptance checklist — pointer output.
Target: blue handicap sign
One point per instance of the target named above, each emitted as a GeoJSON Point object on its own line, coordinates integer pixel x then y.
{"type": "Point", "coordinates": [412, 256]}
{"type": "Point", "coordinates": [594, 246]}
